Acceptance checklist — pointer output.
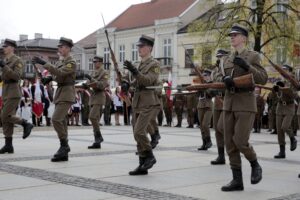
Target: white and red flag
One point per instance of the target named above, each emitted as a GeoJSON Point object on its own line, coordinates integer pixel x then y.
{"type": "Point", "coordinates": [37, 107]}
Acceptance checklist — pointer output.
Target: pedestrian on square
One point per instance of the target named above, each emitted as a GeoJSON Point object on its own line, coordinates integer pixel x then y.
{"type": "Point", "coordinates": [240, 106]}
{"type": "Point", "coordinates": [145, 104]}
{"type": "Point", "coordinates": [64, 73]}
{"type": "Point", "coordinates": [12, 70]}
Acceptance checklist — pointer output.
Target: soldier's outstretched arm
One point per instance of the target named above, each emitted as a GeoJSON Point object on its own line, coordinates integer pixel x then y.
{"type": "Point", "coordinates": [13, 74]}
{"type": "Point", "coordinates": [64, 71]}
{"type": "Point", "coordinates": [259, 73]}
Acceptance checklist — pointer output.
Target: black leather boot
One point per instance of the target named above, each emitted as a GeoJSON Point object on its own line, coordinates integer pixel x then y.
{"type": "Point", "coordinates": [256, 172]}
{"type": "Point", "coordinates": [293, 143]}
{"type": "Point", "coordinates": [220, 160]}
{"type": "Point", "coordinates": [155, 139]}
{"type": "Point", "coordinates": [208, 142]}
{"type": "Point", "coordinates": [236, 184]}
{"type": "Point", "coordinates": [138, 170]}
{"type": "Point", "coordinates": [203, 147]}
{"type": "Point", "coordinates": [98, 140]}
{"type": "Point", "coordinates": [27, 127]}
{"type": "Point", "coordinates": [281, 153]}
{"type": "Point", "coordinates": [62, 153]}
{"type": "Point", "coordinates": [149, 160]}
{"type": "Point", "coordinates": [8, 147]}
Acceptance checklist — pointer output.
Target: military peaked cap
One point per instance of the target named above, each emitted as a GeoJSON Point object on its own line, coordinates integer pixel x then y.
{"type": "Point", "coordinates": [145, 40]}
{"type": "Point", "coordinates": [65, 41]}
{"type": "Point", "coordinates": [97, 59]}
{"type": "Point", "coordinates": [9, 42]}
{"type": "Point", "coordinates": [221, 52]}
{"type": "Point", "coordinates": [237, 28]}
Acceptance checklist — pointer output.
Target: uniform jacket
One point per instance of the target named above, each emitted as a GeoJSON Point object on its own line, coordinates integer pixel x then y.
{"type": "Point", "coordinates": [191, 101]}
{"type": "Point", "coordinates": [148, 76]}
{"type": "Point", "coordinates": [286, 101]}
{"type": "Point", "coordinates": [64, 73]}
{"type": "Point", "coordinates": [11, 75]}
{"type": "Point", "coordinates": [243, 101]}
{"type": "Point", "coordinates": [205, 100]}
{"type": "Point", "coordinates": [98, 93]}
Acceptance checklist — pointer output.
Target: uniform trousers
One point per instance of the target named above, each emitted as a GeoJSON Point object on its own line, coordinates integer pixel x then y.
{"type": "Point", "coordinates": [9, 117]}
{"type": "Point", "coordinates": [237, 128]}
{"type": "Point", "coordinates": [141, 121]}
{"type": "Point", "coordinates": [204, 116]}
{"type": "Point", "coordinates": [60, 119]}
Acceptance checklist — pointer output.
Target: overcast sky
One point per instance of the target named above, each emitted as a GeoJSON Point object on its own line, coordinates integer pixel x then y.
{"type": "Point", "coordinates": [55, 18]}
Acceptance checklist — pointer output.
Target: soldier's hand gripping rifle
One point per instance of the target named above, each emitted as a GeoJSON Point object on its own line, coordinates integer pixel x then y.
{"type": "Point", "coordinates": [245, 81]}
{"type": "Point", "coordinates": [113, 57]}
{"type": "Point", "coordinates": [283, 73]}
{"type": "Point", "coordinates": [198, 72]}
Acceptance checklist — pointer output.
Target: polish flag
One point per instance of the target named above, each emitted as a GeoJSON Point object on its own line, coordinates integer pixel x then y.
{"type": "Point", "coordinates": [37, 107]}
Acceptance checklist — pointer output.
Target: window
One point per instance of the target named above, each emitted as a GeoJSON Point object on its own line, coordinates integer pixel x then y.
{"type": "Point", "coordinates": [91, 64]}
{"type": "Point", "coordinates": [280, 55]}
{"type": "Point", "coordinates": [189, 53]}
{"type": "Point", "coordinates": [106, 58]}
{"type": "Point", "coordinates": [121, 53]}
{"type": "Point", "coordinates": [206, 58]}
{"type": "Point", "coordinates": [253, 4]}
{"type": "Point", "coordinates": [281, 7]}
{"type": "Point", "coordinates": [167, 44]}
{"type": "Point", "coordinates": [134, 53]}
{"type": "Point", "coordinates": [78, 64]}
{"type": "Point", "coordinates": [29, 67]}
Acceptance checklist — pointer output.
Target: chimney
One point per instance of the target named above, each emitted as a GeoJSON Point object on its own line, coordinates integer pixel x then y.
{"type": "Point", "coordinates": [38, 36]}
{"type": "Point", "coordinates": [23, 37]}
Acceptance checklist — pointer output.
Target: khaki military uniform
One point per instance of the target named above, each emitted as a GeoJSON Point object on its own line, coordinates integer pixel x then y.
{"type": "Point", "coordinates": [205, 113]}
{"type": "Point", "coordinates": [11, 93]}
{"type": "Point", "coordinates": [260, 103]}
{"type": "Point", "coordinates": [240, 108]}
{"type": "Point", "coordinates": [146, 103]}
{"type": "Point", "coordinates": [272, 101]}
{"type": "Point", "coordinates": [218, 119]}
{"type": "Point", "coordinates": [64, 73]}
{"type": "Point", "coordinates": [167, 107]}
{"type": "Point", "coordinates": [97, 99]}
{"type": "Point", "coordinates": [178, 106]}
{"type": "Point", "coordinates": [191, 104]}
{"type": "Point", "coordinates": [285, 111]}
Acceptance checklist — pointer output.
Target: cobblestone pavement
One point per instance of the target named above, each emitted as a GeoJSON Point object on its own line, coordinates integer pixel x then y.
{"type": "Point", "coordinates": [181, 172]}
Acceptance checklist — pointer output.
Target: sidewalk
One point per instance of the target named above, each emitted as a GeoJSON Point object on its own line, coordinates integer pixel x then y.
{"type": "Point", "coordinates": [181, 171]}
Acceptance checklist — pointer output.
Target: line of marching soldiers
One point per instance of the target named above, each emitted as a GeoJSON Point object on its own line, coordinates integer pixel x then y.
{"type": "Point", "coordinates": [234, 113]}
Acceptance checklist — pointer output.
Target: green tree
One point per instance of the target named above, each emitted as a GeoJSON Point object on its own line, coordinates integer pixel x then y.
{"type": "Point", "coordinates": [269, 22]}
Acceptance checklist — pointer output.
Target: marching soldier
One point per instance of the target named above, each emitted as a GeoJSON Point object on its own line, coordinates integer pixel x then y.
{"type": "Point", "coordinates": [97, 99]}
{"type": "Point", "coordinates": [12, 69]}
{"type": "Point", "coordinates": [191, 103]}
{"type": "Point", "coordinates": [204, 115]}
{"type": "Point", "coordinates": [260, 104]}
{"type": "Point", "coordinates": [240, 107]}
{"type": "Point", "coordinates": [64, 73]}
{"type": "Point", "coordinates": [272, 101]}
{"type": "Point", "coordinates": [284, 114]}
{"type": "Point", "coordinates": [217, 113]}
{"type": "Point", "coordinates": [146, 103]}
{"type": "Point", "coordinates": [178, 106]}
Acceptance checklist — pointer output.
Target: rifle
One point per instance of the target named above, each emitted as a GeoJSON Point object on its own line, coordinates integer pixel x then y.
{"type": "Point", "coordinates": [38, 71]}
{"type": "Point", "coordinates": [245, 81]}
{"type": "Point", "coordinates": [198, 72]}
{"type": "Point", "coordinates": [283, 73]}
{"type": "Point", "coordinates": [113, 57]}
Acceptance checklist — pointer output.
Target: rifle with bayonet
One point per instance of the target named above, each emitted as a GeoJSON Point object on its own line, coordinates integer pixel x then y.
{"type": "Point", "coordinates": [113, 57]}
{"type": "Point", "coordinates": [198, 72]}
{"type": "Point", "coordinates": [283, 73]}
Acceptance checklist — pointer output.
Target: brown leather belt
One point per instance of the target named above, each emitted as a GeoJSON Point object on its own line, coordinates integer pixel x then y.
{"type": "Point", "coordinates": [10, 81]}
{"type": "Point", "coordinates": [65, 84]}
